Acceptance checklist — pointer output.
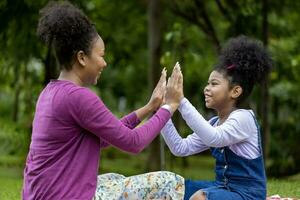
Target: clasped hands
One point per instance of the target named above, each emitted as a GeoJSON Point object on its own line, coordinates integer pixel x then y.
{"type": "Point", "coordinates": [168, 92]}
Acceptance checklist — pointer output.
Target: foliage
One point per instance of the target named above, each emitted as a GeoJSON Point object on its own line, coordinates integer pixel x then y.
{"type": "Point", "coordinates": [193, 31]}
{"type": "Point", "coordinates": [13, 139]}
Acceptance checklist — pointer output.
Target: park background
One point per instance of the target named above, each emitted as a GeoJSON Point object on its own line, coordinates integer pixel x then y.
{"type": "Point", "coordinates": [142, 37]}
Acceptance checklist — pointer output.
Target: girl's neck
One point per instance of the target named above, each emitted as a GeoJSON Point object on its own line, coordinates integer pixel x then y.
{"type": "Point", "coordinates": [224, 113]}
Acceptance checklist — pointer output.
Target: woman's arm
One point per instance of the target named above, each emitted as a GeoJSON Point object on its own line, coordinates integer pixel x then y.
{"type": "Point", "coordinates": [131, 120]}
{"type": "Point", "coordinates": [89, 112]}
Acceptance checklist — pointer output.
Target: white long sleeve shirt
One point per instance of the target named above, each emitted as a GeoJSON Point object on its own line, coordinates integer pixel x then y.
{"type": "Point", "coordinates": [239, 132]}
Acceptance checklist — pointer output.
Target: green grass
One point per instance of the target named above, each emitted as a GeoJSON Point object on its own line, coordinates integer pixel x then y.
{"type": "Point", "coordinates": [285, 188]}
{"type": "Point", "coordinates": [199, 168]}
{"type": "Point", "coordinates": [10, 183]}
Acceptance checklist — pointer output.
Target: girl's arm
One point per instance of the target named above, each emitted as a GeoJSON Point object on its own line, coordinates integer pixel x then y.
{"type": "Point", "coordinates": [232, 131]}
{"type": "Point", "coordinates": [181, 146]}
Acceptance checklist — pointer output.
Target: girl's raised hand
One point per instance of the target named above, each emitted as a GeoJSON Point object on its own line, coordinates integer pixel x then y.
{"type": "Point", "coordinates": [174, 91]}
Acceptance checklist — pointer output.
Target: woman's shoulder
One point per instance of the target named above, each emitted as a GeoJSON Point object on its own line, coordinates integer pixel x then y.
{"type": "Point", "coordinates": [71, 89]}
{"type": "Point", "coordinates": [73, 94]}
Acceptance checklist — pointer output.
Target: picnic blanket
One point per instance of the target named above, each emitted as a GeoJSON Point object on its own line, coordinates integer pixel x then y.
{"type": "Point", "coordinates": [153, 185]}
{"type": "Point", "coordinates": [277, 197]}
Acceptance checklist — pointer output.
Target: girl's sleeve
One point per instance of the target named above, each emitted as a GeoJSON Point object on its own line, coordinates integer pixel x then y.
{"type": "Point", "coordinates": [232, 131]}
{"type": "Point", "coordinates": [182, 146]}
{"type": "Point", "coordinates": [89, 112]}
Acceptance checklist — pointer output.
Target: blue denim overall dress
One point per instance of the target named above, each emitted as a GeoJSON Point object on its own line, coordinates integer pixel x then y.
{"type": "Point", "coordinates": [237, 178]}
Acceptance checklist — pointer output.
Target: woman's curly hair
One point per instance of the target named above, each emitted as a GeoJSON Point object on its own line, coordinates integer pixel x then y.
{"type": "Point", "coordinates": [244, 61]}
{"type": "Point", "coordinates": [67, 29]}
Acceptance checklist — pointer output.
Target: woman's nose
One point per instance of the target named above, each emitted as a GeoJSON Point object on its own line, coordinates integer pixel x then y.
{"type": "Point", "coordinates": [104, 63]}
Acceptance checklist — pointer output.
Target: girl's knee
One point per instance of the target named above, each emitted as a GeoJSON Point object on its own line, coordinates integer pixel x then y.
{"type": "Point", "coordinates": [199, 195]}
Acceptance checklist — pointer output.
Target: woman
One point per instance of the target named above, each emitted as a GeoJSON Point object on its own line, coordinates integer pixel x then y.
{"type": "Point", "coordinates": [71, 123]}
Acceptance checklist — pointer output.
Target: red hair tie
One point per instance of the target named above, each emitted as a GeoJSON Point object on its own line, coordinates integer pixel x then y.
{"type": "Point", "coordinates": [230, 67]}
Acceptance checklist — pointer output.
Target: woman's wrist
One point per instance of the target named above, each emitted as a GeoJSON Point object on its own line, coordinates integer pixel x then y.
{"type": "Point", "coordinates": [149, 108]}
{"type": "Point", "coordinates": [144, 111]}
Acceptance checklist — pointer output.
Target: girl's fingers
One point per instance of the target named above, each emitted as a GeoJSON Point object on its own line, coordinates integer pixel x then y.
{"type": "Point", "coordinates": [174, 69]}
{"type": "Point", "coordinates": [175, 79]}
{"type": "Point", "coordinates": [180, 80]}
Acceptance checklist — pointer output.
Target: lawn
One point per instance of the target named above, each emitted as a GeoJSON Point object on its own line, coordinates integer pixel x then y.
{"type": "Point", "coordinates": [11, 177]}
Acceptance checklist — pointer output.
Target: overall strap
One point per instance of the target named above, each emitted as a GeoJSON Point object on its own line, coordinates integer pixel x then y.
{"type": "Point", "coordinates": [213, 120]}
{"type": "Point", "coordinates": [258, 132]}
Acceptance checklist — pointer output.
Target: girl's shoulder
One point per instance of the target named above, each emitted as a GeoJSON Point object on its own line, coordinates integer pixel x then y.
{"type": "Point", "coordinates": [243, 117]}
{"type": "Point", "coordinates": [242, 113]}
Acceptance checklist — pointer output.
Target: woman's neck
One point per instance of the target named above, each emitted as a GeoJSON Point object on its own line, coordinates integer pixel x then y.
{"type": "Point", "coordinates": [70, 76]}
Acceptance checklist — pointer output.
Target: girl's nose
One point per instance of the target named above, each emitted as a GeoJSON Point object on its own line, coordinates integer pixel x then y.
{"type": "Point", "coordinates": [205, 89]}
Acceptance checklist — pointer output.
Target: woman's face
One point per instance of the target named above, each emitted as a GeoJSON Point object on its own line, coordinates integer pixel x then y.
{"type": "Point", "coordinates": [217, 92]}
{"type": "Point", "coordinates": [95, 62]}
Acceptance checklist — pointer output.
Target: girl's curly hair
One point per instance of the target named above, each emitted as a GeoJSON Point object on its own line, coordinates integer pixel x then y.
{"type": "Point", "coordinates": [67, 29]}
{"type": "Point", "coordinates": [244, 61]}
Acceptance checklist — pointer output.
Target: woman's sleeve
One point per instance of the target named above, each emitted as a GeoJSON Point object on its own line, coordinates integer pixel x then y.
{"type": "Point", "coordinates": [131, 120]}
{"type": "Point", "coordinates": [89, 112]}
{"type": "Point", "coordinates": [232, 131]}
{"type": "Point", "coordinates": [182, 146]}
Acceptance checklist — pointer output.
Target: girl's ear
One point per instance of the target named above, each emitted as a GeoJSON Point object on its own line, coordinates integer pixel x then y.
{"type": "Point", "coordinates": [236, 91]}
{"type": "Point", "coordinates": [81, 57]}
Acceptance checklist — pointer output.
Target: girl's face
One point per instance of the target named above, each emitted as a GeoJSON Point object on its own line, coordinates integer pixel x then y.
{"type": "Point", "coordinates": [95, 62]}
{"type": "Point", "coordinates": [217, 92]}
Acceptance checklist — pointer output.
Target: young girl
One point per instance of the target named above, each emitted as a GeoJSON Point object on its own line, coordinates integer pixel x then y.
{"type": "Point", "coordinates": [233, 136]}
{"type": "Point", "coordinates": [71, 123]}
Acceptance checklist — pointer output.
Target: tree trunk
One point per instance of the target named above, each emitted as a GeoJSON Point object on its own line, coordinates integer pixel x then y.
{"type": "Point", "coordinates": [264, 108]}
{"type": "Point", "coordinates": [15, 112]}
{"type": "Point", "coordinates": [154, 44]}
{"type": "Point", "coordinates": [50, 66]}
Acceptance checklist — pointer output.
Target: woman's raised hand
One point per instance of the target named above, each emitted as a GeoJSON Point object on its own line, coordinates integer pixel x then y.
{"type": "Point", "coordinates": [174, 90]}
{"type": "Point", "coordinates": [158, 92]}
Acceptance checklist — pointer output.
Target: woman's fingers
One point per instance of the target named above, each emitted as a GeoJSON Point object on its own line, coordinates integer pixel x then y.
{"type": "Point", "coordinates": [162, 81]}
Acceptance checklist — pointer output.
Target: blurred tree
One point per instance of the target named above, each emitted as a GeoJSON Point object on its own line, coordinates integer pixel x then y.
{"type": "Point", "coordinates": [191, 31]}
{"type": "Point", "coordinates": [155, 161]}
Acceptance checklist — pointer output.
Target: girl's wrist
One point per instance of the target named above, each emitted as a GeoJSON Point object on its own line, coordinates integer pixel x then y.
{"type": "Point", "coordinates": [167, 107]}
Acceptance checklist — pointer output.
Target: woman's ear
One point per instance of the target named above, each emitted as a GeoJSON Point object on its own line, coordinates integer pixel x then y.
{"type": "Point", "coordinates": [236, 91]}
{"type": "Point", "coordinates": [81, 57]}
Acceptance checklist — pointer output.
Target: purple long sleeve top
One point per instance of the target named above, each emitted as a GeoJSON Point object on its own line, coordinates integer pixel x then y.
{"type": "Point", "coordinates": [70, 126]}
